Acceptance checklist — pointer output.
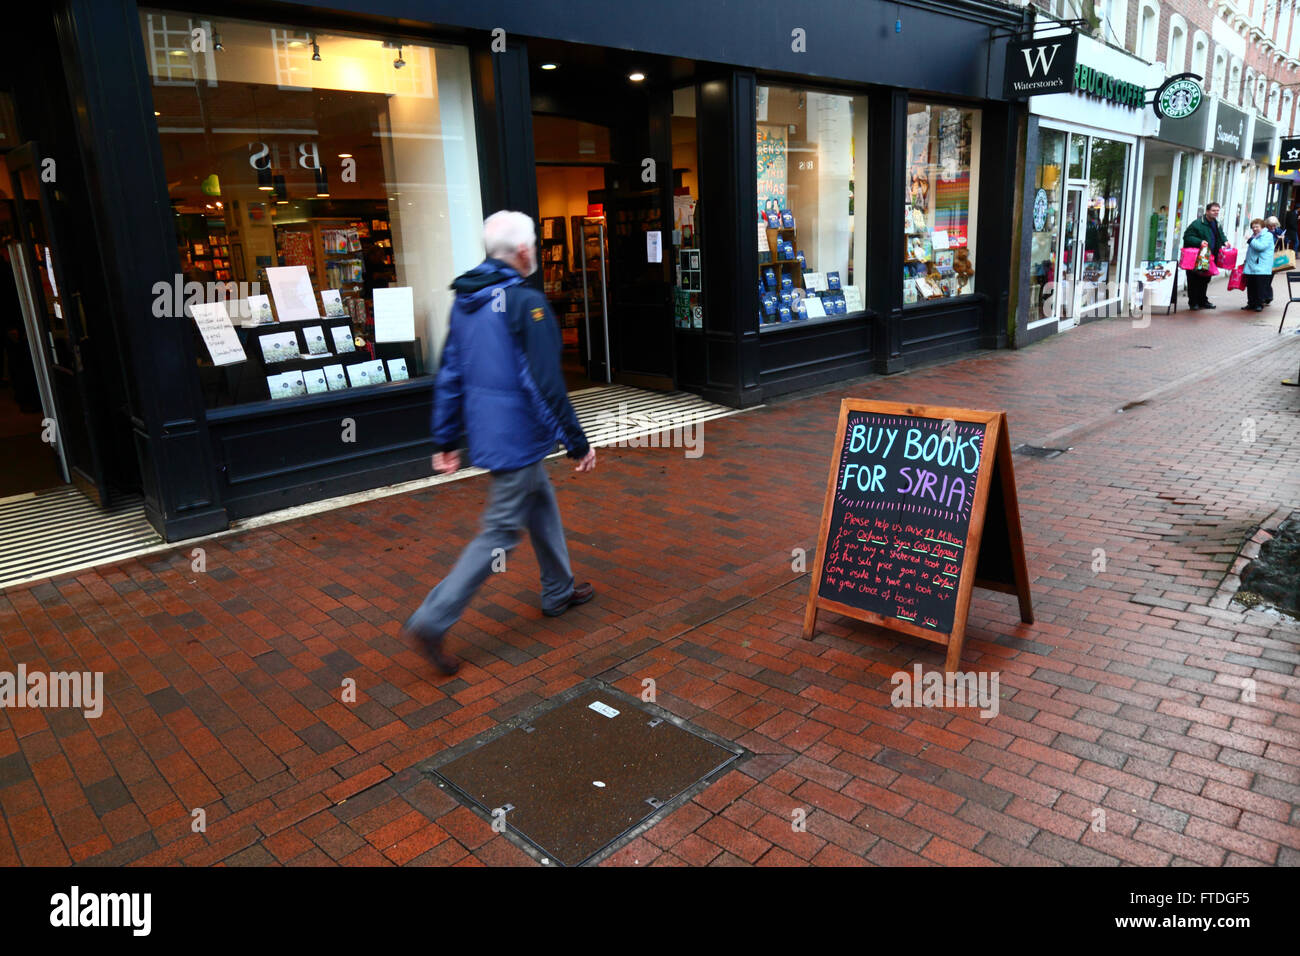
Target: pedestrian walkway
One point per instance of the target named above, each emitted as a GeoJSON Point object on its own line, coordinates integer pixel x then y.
{"type": "Point", "coordinates": [1143, 718]}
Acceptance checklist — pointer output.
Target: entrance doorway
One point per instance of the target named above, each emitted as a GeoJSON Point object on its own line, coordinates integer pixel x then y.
{"type": "Point", "coordinates": [602, 145]}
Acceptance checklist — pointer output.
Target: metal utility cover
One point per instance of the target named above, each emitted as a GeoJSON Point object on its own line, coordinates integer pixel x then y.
{"type": "Point", "coordinates": [572, 780]}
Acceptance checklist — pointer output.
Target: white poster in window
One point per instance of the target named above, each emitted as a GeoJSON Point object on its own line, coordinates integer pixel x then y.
{"type": "Point", "coordinates": [939, 239]}
{"type": "Point", "coordinates": [397, 370]}
{"type": "Point", "coordinates": [762, 238]}
{"type": "Point", "coordinates": [814, 281]}
{"type": "Point", "coordinates": [218, 333]}
{"type": "Point", "coordinates": [334, 377]}
{"type": "Point", "coordinates": [295, 299]}
{"type": "Point", "coordinates": [366, 373]}
{"type": "Point", "coordinates": [342, 339]}
{"type": "Point", "coordinates": [279, 347]}
{"type": "Point", "coordinates": [315, 337]}
{"type": "Point", "coordinates": [315, 379]}
{"type": "Point", "coordinates": [814, 307]}
{"type": "Point", "coordinates": [394, 315]}
{"type": "Point", "coordinates": [258, 310]}
{"type": "Point", "coordinates": [654, 246]}
{"type": "Point", "coordinates": [333, 304]}
{"type": "Point", "coordinates": [852, 298]}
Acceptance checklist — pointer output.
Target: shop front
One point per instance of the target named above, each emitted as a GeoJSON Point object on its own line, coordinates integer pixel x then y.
{"type": "Point", "coordinates": [278, 199]}
{"type": "Point", "coordinates": [1081, 224]}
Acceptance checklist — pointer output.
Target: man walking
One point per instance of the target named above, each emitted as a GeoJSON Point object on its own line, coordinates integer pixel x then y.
{"type": "Point", "coordinates": [501, 386]}
{"type": "Point", "coordinates": [1204, 229]}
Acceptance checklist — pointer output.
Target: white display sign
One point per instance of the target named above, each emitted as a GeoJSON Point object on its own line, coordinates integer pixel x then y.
{"type": "Point", "coordinates": [394, 315]}
{"type": "Point", "coordinates": [295, 299]}
{"type": "Point", "coordinates": [814, 281]}
{"type": "Point", "coordinates": [218, 333]}
{"type": "Point", "coordinates": [654, 246]}
{"type": "Point", "coordinates": [852, 299]}
{"type": "Point", "coordinates": [814, 307]}
{"type": "Point", "coordinates": [1157, 283]}
{"type": "Point", "coordinates": [939, 239]}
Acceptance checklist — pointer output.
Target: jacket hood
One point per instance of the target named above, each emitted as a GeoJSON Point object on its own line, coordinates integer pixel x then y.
{"type": "Point", "coordinates": [474, 287]}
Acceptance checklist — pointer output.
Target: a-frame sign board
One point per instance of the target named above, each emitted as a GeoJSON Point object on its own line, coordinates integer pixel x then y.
{"type": "Point", "coordinates": [920, 508]}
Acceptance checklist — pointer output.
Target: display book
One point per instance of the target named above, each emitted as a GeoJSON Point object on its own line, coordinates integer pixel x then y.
{"type": "Point", "coordinates": [214, 257]}
{"type": "Point", "coordinates": [933, 267]}
{"type": "Point", "coordinates": [786, 290]}
{"type": "Point", "coordinates": [553, 255]}
{"type": "Point", "coordinates": [309, 356]}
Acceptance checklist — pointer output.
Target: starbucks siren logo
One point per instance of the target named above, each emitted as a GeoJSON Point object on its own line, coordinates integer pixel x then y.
{"type": "Point", "coordinates": [1179, 99]}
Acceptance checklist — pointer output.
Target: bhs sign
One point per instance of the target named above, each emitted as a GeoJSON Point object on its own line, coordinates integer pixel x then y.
{"type": "Point", "coordinates": [1040, 65]}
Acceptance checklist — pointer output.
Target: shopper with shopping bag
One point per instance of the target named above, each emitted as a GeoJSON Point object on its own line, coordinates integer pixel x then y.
{"type": "Point", "coordinates": [1258, 267]}
{"type": "Point", "coordinates": [1205, 232]}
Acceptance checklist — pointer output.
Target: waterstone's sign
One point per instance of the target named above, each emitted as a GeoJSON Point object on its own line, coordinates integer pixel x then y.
{"type": "Point", "coordinates": [1104, 86]}
{"type": "Point", "coordinates": [1040, 66]}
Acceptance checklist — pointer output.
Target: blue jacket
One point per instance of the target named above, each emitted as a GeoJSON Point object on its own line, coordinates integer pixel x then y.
{"type": "Point", "coordinates": [500, 384]}
{"type": "Point", "coordinates": [1259, 255]}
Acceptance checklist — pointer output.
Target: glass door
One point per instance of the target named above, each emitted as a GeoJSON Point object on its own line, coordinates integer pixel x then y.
{"type": "Point", "coordinates": [1072, 256]}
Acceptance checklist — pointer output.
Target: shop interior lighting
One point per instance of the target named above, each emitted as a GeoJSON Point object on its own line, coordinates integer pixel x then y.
{"type": "Point", "coordinates": [315, 49]}
{"type": "Point", "coordinates": [216, 43]}
{"type": "Point", "coordinates": [636, 77]}
{"type": "Point", "coordinates": [550, 66]}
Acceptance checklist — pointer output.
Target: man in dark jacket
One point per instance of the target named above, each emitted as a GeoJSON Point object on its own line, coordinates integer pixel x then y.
{"type": "Point", "coordinates": [1290, 225]}
{"type": "Point", "coordinates": [501, 386]}
{"type": "Point", "coordinates": [1204, 229]}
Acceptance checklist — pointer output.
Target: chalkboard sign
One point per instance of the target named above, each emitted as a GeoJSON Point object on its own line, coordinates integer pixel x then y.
{"type": "Point", "coordinates": [902, 538]}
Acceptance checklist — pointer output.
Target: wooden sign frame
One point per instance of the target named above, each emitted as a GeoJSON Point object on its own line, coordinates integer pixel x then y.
{"type": "Point", "coordinates": [995, 483]}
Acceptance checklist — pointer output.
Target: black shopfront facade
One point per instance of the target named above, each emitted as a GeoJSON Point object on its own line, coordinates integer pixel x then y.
{"type": "Point", "coordinates": [279, 140]}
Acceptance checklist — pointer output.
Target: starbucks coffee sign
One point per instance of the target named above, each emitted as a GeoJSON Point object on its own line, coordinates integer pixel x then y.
{"type": "Point", "coordinates": [1178, 97]}
{"type": "Point", "coordinates": [1111, 88]}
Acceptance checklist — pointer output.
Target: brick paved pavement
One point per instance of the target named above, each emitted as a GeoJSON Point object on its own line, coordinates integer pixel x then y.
{"type": "Point", "coordinates": [223, 687]}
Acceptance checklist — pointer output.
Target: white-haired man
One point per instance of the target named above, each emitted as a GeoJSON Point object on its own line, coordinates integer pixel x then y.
{"type": "Point", "coordinates": [501, 387]}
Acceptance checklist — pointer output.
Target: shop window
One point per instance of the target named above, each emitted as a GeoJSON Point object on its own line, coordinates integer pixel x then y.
{"type": "Point", "coordinates": [688, 263]}
{"type": "Point", "coordinates": [325, 193]}
{"type": "Point", "coordinates": [939, 217]}
{"type": "Point", "coordinates": [812, 248]}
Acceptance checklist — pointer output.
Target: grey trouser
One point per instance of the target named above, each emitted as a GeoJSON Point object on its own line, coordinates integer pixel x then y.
{"type": "Point", "coordinates": [518, 499]}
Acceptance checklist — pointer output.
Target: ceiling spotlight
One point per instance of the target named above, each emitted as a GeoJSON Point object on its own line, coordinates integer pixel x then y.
{"type": "Point", "coordinates": [550, 66]}
{"type": "Point", "coordinates": [399, 62]}
{"type": "Point", "coordinates": [156, 113]}
{"type": "Point", "coordinates": [294, 44]}
{"type": "Point", "coordinates": [216, 43]}
{"type": "Point", "coordinates": [315, 49]}
{"type": "Point", "coordinates": [636, 77]}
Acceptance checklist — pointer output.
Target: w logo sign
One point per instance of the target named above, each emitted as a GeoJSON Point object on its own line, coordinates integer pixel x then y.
{"type": "Point", "coordinates": [1040, 58]}
{"type": "Point", "coordinates": [1037, 66]}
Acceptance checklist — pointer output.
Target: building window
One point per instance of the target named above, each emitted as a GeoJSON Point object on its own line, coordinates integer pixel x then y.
{"type": "Point", "coordinates": [1148, 24]}
{"type": "Point", "coordinates": [1200, 54]}
{"type": "Point", "coordinates": [325, 192]}
{"type": "Point", "coordinates": [939, 215]}
{"type": "Point", "coordinates": [1176, 56]}
{"type": "Point", "coordinates": [1219, 79]}
{"type": "Point", "coordinates": [812, 248]}
{"type": "Point", "coordinates": [1234, 91]}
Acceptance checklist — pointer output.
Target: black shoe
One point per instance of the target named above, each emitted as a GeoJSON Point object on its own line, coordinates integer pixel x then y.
{"type": "Point", "coordinates": [1259, 308]}
{"type": "Point", "coordinates": [1193, 308]}
{"type": "Point", "coordinates": [582, 593]}
{"type": "Point", "coordinates": [1207, 304]}
{"type": "Point", "coordinates": [432, 650]}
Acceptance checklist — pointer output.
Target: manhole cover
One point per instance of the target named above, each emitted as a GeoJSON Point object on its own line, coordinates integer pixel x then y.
{"type": "Point", "coordinates": [581, 772]}
{"type": "Point", "coordinates": [1033, 451]}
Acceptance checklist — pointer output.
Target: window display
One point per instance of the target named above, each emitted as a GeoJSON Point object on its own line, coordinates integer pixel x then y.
{"type": "Point", "coordinates": [939, 214]}
{"type": "Point", "coordinates": [312, 174]}
{"type": "Point", "coordinates": [1045, 223]}
{"type": "Point", "coordinates": [811, 249]}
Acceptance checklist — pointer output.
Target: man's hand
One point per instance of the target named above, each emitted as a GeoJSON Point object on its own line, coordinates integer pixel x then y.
{"type": "Point", "coordinates": [445, 462]}
{"type": "Point", "coordinates": [588, 462]}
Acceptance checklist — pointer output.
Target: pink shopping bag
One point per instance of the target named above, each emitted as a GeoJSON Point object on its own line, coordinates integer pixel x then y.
{"type": "Point", "coordinates": [1187, 258]}
{"type": "Point", "coordinates": [1237, 280]}
{"type": "Point", "coordinates": [1227, 258]}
